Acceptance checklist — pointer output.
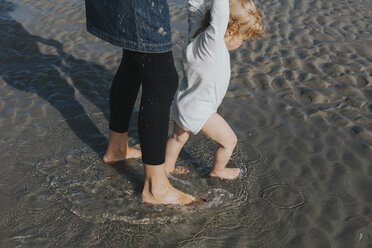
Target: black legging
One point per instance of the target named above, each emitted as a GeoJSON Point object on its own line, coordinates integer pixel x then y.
{"type": "Point", "coordinates": [158, 76]}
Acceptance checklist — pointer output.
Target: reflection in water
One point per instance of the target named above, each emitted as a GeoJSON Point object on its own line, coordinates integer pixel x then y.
{"type": "Point", "coordinates": [97, 193]}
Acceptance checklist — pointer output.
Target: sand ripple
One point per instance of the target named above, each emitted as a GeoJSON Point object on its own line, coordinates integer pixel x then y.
{"type": "Point", "coordinates": [300, 102]}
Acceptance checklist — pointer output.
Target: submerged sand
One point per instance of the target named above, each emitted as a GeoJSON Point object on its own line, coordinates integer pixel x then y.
{"type": "Point", "coordinates": [300, 102]}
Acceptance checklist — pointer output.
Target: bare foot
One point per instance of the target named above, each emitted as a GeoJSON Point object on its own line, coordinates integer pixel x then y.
{"type": "Point", "coordinates": [157, 189]}
{"type": "Point", "coordinates": [112, 155]}
{"type": "Point", "coordinates": [118, 149]}
{"type": "Point", "coordinates": [170, 197]}
{"type": "Point", "coordinates": [178, 170]}
{"type": "Point", "coordinates": [226, 173]}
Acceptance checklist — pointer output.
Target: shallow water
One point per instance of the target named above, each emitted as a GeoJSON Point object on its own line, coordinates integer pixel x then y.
{"type": "Point", "coordinates": [300, 102]}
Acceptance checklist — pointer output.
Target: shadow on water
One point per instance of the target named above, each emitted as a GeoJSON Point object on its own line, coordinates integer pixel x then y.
{"type": "Point", "coordinates": [24, 67]}
{"type": "Point", "coordinates": [131, 172]}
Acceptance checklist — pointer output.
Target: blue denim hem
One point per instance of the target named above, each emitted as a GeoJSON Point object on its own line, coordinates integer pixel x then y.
{"type": "Point", "coordinates": [129, 45]}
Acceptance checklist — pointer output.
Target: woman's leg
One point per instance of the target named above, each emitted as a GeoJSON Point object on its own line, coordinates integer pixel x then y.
{"type": "Point", "coordinates": [174, 147]}
{"type": "Point", "coordinates": [159, 83]}
{"type": "Point", "coordinates": [217, 129]}
{"type": "Point", "coordinates": [123, 94]}
{"type": "Point", "coordinates": [118, 148]}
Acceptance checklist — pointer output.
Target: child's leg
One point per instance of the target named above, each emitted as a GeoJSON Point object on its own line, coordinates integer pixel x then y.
{"type": "Point", "coordinates": [217, 129]}
{"type": "Point", "coordinates": [174, 146]}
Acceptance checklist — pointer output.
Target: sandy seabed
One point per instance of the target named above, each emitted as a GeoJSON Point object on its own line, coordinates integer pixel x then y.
{"type": "Point", "coordinates": [300, 102]}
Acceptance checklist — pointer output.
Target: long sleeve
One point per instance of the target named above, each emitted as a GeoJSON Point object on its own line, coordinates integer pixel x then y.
{"type": "Point", "coordinates": [206, 65]}
{"type": "Point", "coordinates": [219, 18]}
{"type": "Point", "coordinates": [211, 40]}
{"type": "Point", "coordinates": [196, 12]}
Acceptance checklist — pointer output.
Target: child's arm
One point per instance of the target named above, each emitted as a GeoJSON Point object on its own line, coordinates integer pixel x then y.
{"type": "Point", "coordinates": [219, 18]}
{"type": "Point", "coordinates": [196, 13]}
{"type": "Point", "coordinates": [213, 37]}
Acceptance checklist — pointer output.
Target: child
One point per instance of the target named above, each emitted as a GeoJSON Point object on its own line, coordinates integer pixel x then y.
{"type": "Point", "coordinates": [206, 64]}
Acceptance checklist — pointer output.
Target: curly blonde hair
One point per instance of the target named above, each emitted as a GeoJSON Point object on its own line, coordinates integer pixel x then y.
{"type": "Point", "coordinates": [245, 20]}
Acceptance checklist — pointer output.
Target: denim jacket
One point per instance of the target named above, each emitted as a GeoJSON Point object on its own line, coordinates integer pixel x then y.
{"type": "Point", "coordinates": [137, 25]}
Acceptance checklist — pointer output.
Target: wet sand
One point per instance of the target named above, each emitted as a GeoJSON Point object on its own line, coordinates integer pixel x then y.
{"type": "Point", "coordinates": [300, 102]}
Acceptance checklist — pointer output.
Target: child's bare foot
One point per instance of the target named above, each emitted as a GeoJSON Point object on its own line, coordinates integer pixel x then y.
{"type": "Point", "coordinates": [226, 173]}
{"type": "Point", "coordinates": [116, 155]}
{"type": "Point", "coordinates": [176, 170]}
